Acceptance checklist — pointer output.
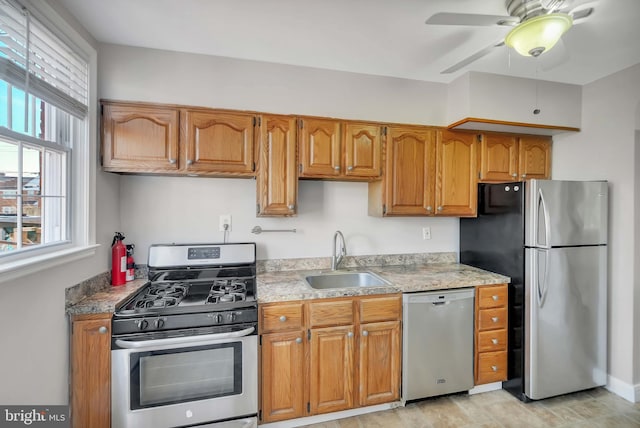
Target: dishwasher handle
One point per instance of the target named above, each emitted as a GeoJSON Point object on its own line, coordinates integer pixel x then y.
{"type": "Point", "coordinates": [439, 296]}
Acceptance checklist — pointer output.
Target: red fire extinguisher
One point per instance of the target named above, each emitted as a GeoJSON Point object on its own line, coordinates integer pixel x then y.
{"type": "Point", "coordinates": [118, 260]}
{"type": "Point", "coordinates": [131, 265]}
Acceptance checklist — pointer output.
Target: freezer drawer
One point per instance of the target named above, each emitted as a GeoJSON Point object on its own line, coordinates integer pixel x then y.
{"type": "Point", "coordinates": [437, 343]}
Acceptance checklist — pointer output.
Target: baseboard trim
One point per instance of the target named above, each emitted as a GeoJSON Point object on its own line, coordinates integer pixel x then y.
{"type": "Point", "coordinates": [625, 390]}
{"type": "Point", "coordinates": [317, 419]}
{"type": "Point", "coordinates": [478, 389]}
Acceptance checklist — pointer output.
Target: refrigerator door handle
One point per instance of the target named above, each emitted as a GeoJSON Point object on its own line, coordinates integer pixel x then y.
{"type": "Point", "coordinates": [545, 214]}
{"type": "Point", "coordinates": [542, 287]}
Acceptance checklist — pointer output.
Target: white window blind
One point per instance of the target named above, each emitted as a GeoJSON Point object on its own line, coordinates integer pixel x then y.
{"type": "Point", "coordinates": [36, 61]}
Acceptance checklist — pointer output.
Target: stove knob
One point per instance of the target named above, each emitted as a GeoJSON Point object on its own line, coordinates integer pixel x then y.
{"type": "Point", "coordinates": [159, 323]}
{"type": "Point", "coordinates": [232, 317]}
{"type": "Point", "coordinates": [219, 319]}
{"type": "Point", "coordinates": [143, 324]}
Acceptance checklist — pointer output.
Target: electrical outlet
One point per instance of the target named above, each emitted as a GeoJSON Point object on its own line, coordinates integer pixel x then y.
{"type": "Point", "coordinates": [426, 233]}
{"type": "Point", "coordinates": [225, 219]}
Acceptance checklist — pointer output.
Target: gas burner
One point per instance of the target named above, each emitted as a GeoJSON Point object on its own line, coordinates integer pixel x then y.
{"type": "Point", "coordinates": [225, 291]}
{"type": "Point", "coordinates": [177, 290]}
{"type": "Point", "coordinates": [151, 301]}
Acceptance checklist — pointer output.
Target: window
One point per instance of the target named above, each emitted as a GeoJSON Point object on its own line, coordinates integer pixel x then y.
{"type": "Point", "coordinates": [44, 134]}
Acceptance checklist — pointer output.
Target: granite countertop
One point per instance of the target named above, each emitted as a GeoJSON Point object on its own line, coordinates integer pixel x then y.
{"type": "Point", "coordinates": [282, 280]}
{"type": "Point", "coordinates": [291, 285]}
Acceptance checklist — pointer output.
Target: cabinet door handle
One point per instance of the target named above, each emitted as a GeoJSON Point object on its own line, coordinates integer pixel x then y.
{"type": "Point", "coordinates": [365, 333]}
{"type": "Point", "coordinates": [495, 298]}
{"type": "Point", "coordinates": [298, 340]}
{"type": "Point", "coordinates": [350, 168]}
{"type": "Point", "coordinates": [337, 168]}
{"type": "Point", "coordinates": [514, 175]}
{"type": "Point", "coordinates": [291, 207]}
{"type": "Point", "coordinates": [429, 208]}
{"type": "Point", "coordinates": [350, 334]}
{"type": "Point", "coordinates": [283, 318]}
{"type": "Point", "coordinates": [102, 330]}
{"type": "Point", "coordinates": [524, 175]}
{"type": "Point", "coordinates": [189, 162]}
{"type": "Point", "coordinates": [494, 319]}
{"type": "Point", "coordinates": [494, 368]}
{"type": "Point", "coordinates": [440, 208]}
{"type": "Point", "coordinates": [172, 161]}
{"type": "Point", "coordinates": [494, 341]}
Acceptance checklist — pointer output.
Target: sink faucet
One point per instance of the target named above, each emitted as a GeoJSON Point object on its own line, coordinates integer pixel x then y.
{"type": "Point", "coordinates": [336, 259]}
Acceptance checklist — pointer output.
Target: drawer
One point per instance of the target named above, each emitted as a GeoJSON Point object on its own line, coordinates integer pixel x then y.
{"type": "Point", "coordinates": [373, 309]}
{"type": "Point", "coordinates": [492, 367]}
{"type": "Point", "coordinates": [328, 313]}
{"type": "Point", "coordinates": [492, 340]}
{"type": "Point", "coordinates": [281, 317]}
{"type": "Point", "coordinates": [492, 296]}
{"type": "Point", "coordinates": [492, 319]}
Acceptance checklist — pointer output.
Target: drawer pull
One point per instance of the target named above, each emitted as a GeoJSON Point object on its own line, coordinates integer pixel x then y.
{"type": "Point", "coordinates": [494, 368]}
{"type": "Point", "coordinates": [494, 341]}
{"type": "Point", "coordinates": [283, 318]}
{"type": "Point", "coordinates": [102, 330]}
{"type": "Point", "coordinates": [495, 298]}
{"type": "Point", "coordinates": [494, 319]}
{"type": "Point", "coordinates": [299, 340]}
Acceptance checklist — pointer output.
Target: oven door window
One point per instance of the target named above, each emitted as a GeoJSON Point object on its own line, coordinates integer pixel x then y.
{"type": "Point", "coordinates": [185, 374]}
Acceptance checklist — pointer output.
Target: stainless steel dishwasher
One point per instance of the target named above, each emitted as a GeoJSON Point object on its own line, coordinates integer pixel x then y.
{"type": "Point", "coordinates": [437, 355]}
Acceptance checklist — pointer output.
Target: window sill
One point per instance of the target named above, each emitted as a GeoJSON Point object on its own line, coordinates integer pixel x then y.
{"type": "Point", "coordinates": [29, 265]}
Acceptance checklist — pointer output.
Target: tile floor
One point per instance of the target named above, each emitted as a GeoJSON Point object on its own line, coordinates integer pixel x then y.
{"type": "Point", "coordinates": [594, 408]}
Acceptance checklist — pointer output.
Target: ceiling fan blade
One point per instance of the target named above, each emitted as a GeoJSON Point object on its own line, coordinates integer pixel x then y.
{"type": "Point", "coordinates": [470, 19]}
{"type": "Point", "coordinates": [580, 15]}
{"type": "Point", "coordinates": [476, 56]}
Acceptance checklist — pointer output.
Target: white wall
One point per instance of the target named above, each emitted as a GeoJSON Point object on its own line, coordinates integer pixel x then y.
{"type": "Point", "coordinates": [604, 149]}
{"type": "Point", "coordinates": [184, 209]}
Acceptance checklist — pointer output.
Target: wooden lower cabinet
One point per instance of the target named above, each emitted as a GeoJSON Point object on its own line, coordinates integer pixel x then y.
{"type": "Point", "coordinates": [491, 334]}
{"type": "Point", "coordinates": [91, 371]}
{"type": "Point", "coordinates": [283, 376]}
{"type": "Point", "coordinates": [331, 369]}
{"type": "Point", "coordinates": [348, 361]}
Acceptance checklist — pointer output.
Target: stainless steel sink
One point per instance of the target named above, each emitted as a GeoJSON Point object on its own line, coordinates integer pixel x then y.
{"type": "Point", "coordinates": [345, 280]}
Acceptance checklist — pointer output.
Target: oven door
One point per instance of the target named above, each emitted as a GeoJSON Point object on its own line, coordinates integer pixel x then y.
{"type": "Point", "coordinates": [178, 381]}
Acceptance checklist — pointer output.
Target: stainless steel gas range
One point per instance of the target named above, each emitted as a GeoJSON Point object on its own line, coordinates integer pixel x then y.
{"type": "Point", "coordinates": [185, 347]}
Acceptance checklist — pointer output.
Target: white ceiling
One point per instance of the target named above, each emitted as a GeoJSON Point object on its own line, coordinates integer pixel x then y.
{"type": "Point", "coordinates": [379, 37]}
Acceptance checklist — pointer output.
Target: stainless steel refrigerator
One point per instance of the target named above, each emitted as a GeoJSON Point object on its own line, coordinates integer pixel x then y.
{"type": "Point", "coordinates": [550, 237]}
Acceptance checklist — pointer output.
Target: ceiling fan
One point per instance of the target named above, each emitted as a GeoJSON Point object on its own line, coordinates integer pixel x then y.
{"type": "Point", "coordinates": [537, 25]}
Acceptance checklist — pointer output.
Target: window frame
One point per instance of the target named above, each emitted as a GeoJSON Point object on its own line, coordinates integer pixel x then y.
{"type": "Point", "coordinates": [81, 164]}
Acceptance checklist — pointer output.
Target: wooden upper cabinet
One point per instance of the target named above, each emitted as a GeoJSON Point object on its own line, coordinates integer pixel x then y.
{"type": "Point", "coordinates": [456, 172]}
{"type": "Point", "coordinates": [217, 142]}
{"type": "Point", "coordinates": [319, 148]}
{"type": "Point", "coordinates": [340, 150]}
{"type": "Point", "coordinates": [505, 157]}
{"type": "Point", "coordinates": [362, 150]}
{"type": "Point", "coordinates": [407, 186]}
{"type": "Point", "coordinates": [277, 178]}
{"type": "Point", "coordinates": [498, 158]}
{"type": "Point", "coordinates": [534, 157]}
{"type": "Point", "coordinates": [139, 138]}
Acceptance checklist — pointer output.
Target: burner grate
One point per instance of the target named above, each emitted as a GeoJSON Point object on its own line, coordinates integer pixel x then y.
{"type": "Point", "coordinates": [226, 291]}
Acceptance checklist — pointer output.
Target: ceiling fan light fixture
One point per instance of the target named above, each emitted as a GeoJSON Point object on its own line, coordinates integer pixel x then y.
{"type": "Point", "coordinates": [539, 34]}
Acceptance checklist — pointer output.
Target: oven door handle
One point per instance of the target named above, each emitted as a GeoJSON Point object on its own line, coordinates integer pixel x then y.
{"type": "Point", "coordinates": [182, 340]}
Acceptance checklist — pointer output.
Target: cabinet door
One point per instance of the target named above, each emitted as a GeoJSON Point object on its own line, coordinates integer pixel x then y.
{"type": "Point", "coordinates": [91, 372]}
{"type": "Point", "coordinates": [498, 158]}
{"type": "Point", "coordinates": [331, 377]}
{"type": "Point", "coordinates": [363, 150]}
{"type": "Point", "coordinates": [277, 180]}
{"type": "Point", "coordinates": [534, 157]}
{"type": "Point", "coordinates": [139, 138]}
{"type": "Point", "coordinates": [319, 148]}
{"type": "Point", "coordinates": [410, 170]}
{"type": "Point", "coordinates": [456, 182]}
{"type": "Point", "coordinates": [282, 376]}
{"type": "Point", "coordinates": [379, 363]}
{"type": "Point", "coordinates": [217, 142]}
